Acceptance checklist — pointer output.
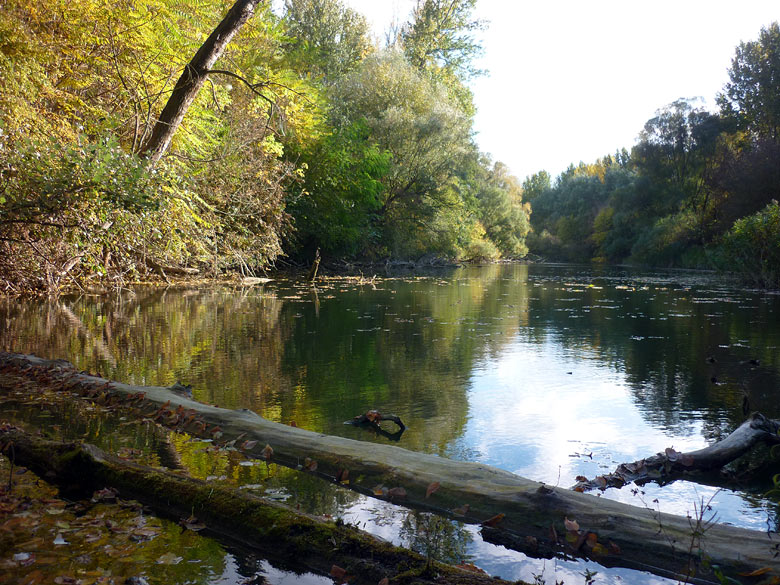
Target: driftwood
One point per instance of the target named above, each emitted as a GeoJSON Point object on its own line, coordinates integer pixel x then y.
{"type": "Point", "coordinates": [671, 464]}
{"type": "Point", "coordinates": [524, 514]}
{"type": "Point", "coordinates": [276, 529]}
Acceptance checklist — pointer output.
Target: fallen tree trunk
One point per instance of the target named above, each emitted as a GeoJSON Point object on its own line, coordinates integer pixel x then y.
{"type": "Point", "coordinates": [671, 464]}
{"type": "Point", "coordinates": [276, 529]}
{"type": "Point", "coordinates": [527, 515]}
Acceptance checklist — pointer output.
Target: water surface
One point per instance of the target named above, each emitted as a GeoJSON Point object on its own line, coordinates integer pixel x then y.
{"type": "Point", "coordinates": [547, 371]}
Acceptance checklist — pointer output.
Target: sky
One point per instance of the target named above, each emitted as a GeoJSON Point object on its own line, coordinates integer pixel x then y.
{"type": "Point", "coordinates": [574, 80]}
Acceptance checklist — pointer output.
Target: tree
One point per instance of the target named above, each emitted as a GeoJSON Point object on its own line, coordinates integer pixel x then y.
{"type": "Point", "coordinates": [439, 40]}
{"type": "Point", "coordinates": [326, 37]}
{"type": "Point", "coordinates": [441, 37]}
{"type": "Point", "coordinates": [752, 96]}
{"type": "Point", "coordinates": [194, 76]}
{"type": "Point", "coordinates": [535, 185]}
{"type": "Point", "coordinates": [412, 118]}
{"type": "Point", "coordinates": [677, 149]}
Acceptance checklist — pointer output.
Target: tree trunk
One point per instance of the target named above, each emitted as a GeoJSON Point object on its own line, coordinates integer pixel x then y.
{"type": "Point", "coordinates": [524, 514]}
{"type": "Point", "coordinates": [279, 531]}
{"type": "Point", "coordinates": [194, 76]}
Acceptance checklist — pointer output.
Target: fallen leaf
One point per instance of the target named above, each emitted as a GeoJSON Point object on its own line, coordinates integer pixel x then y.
{"type": "Point", "coordinates": [267, 452]}
{"type": "Point", "coordinates": [384, 581]}
{"type": "Point", "coordinates": [432, 489]}
{"type": "Point", "coordinates": [687, 460]}
{"type": "Point", "coordinates": [342, 476]}
{"type": "Point", "coordinates": [757, 572]}
{"type": "Point", "coordinates": [470, 567]}
{"type": "Point", "coordinates": [396, 492]}
{"type": "Point", "coordinates": [614, 548]}
{"type": "Point", "coordinates": [571, 525]}
{"type": "Point", "coordinates": [169, 559]}
{"type": "Point", "coordinates": [599, 549]}
{"type": "Point", "coordinates": [491, 522]}
{"type": "Point", "coordinates": [462, 511]}
{"type": "Point", "coordinates": [247, 445]}
{"type": "Point", "coordinates": [310, 464]}
{"type": "Point", "coordinates": [380, 490]}
{"type": "Point", "coordinates": [337, 572]}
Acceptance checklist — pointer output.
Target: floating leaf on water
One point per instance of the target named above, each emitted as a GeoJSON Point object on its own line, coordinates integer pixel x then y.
{"type": "Point", "coordinates": [379, 490]}
{"type": "Point", "coordinates": [433, 487]}
{"type": "Point", "coordinates": [247, 445]}
{"type": "Point", "coordinates": [169, 559]}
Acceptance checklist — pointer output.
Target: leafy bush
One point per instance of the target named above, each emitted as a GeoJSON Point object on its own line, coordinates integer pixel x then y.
{"type": "Point", "coordinates": [752, 247]}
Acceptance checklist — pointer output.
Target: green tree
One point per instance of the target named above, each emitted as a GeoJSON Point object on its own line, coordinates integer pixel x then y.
{"type": "Point", "coordinates": [440, 40]}
{"type": "Point", "coordinates": [426, 133]}
{"type": "Point", "coordinates": [326, 38]}
{"type": "Point", "coordinates": [338, 205]}
{"type": "Point", "coordinates": [752, 95]}
{"type": "Point", "coordinates": [536, 185]}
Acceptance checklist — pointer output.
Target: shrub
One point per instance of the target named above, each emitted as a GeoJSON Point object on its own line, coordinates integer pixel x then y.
{"type": "Point", "coordinates": [752, 247]}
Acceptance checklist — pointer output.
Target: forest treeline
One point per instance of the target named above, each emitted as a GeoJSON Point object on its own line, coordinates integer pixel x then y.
{"type": "Point", "coordinates": [699, 189]}
{"type": "Point", "coordinates": [309, 133]}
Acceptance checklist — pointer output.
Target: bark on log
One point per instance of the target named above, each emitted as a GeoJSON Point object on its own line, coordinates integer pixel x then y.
{"type": "Point", "coordinates": [276, 529]}
{"type": "Point", "coordinates": [671, 464]}
{"type": "Point", "coordinates": [527, 515]}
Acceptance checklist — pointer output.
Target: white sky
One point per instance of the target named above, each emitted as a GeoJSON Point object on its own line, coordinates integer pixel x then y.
{"type": "Point", "coordinates": [573, 80]}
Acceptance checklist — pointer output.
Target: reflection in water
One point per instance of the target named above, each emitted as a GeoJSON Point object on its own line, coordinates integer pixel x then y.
{"type": "Point", "coordinates": [547, 371]}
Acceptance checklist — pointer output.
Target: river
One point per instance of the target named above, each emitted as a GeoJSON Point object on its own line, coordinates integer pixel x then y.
{"type": "Point", "coordinates": [548, 371]}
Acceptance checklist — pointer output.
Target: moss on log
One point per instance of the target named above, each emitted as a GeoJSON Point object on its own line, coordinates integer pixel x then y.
{"type": "Point", "coordinates": [274, 528]}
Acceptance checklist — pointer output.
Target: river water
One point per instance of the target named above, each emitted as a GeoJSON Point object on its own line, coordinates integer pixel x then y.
{"type": "Point", "coordinates": [547, 371]}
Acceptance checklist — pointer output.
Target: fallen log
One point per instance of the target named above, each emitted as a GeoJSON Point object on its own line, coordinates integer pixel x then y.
{"type": "Point", "coordinates": [527, 515]}
{"type": "Point", "coordinates": [274, 528]}
{"type": "Point", "coordinates": [671, 464]}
